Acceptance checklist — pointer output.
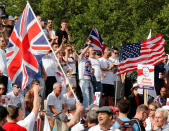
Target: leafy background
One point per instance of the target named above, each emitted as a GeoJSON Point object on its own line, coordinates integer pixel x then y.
{"type": "Point", "coordinates": [118, 21]}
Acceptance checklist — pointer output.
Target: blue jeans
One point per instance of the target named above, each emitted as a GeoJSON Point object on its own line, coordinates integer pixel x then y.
{"type": "Point", "coordinates": [87, 92]}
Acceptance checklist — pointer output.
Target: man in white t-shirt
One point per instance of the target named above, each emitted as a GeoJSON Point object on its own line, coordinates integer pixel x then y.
{"type": "Point", "coordinates": [16, 98]}
{"type": "Point", "coordinates": [55, 101]}
{"type": "Point", "coordinates": [114, 58]}
{"type": "Point", "coordinates": [97, 69]}
{"type": "Point", "coordinates": [107, 78]}
{"type": "Point", "coordinates": [84, 67]}
{"type": "Point", "coordinates": [49, 64]}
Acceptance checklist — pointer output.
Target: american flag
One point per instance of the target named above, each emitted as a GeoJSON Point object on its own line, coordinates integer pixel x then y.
{"type": "Point", "coordinates": [27, 44]}
{"type": "Point", "coordinates": [150, 51]}
{"type": "Point", "coordinates": [98, 43]}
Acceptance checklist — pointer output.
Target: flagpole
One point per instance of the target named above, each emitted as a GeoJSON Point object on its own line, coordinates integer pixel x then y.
{"type": "Point", "coordinates": [54, 54]}
{"type": "Point", "coordinates": [145, 90]}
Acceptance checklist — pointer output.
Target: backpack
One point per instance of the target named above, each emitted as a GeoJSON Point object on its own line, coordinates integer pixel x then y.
{"type": "Point", "coordinates": [125, 125]}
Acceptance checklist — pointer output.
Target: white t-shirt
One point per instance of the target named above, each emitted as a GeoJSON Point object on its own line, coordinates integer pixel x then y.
{"type": "Point", "coordinates": [3, 61]}
{"type": "Point", "coordinates": [28, 122]}
{"type": "Point", "coordinates": [69, 101]}
{"type": "Point", "coordinates": [97, 128]}
{"type": "Point", "coordinates": [72, 64]}
{"type": "Point", "coordinates": [54, 101]}
{"type": "Point", "coordinates": [77, 127]}
{"type": "Point", "coordinates": [49, 64]}
{"type": "Point", "coordinates": [115, 61]}
{"type": "Point", "coordinates": [15, 100]}
{"type": "Point", "coordinates": [97, 70]}
{"type": "Point", "coordinates": [84, 67]}
{"type": "Point", "coordinates": [109, 75]}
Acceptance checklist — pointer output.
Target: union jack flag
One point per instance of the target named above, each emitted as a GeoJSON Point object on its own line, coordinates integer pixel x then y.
{"type": "Point", "coordinates": [150, 51]}
{"type": "Point", "coordinates": [98, 43]}
{"type": "Point", "coordinates": [27, 44]}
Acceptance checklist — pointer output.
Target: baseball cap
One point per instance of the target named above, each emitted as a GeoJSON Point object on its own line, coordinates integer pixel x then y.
{"type": "Point", "coordinates": [105, 109]}
{"type": "Point", "coordinates": [44, 20]}
{"type": "Point", "coordinates": [11, 18]}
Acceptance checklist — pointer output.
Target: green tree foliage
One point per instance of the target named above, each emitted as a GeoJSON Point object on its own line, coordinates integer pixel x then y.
{"type": "Point", "coordinates": [118, 21]}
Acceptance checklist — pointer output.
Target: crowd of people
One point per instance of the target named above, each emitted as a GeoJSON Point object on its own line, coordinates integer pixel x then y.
{"type": "Point", "coordinates": [63, 90]}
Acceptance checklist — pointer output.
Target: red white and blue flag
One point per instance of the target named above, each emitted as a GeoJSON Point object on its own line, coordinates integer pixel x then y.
{"type": "Point", "coordinates": [98, 43]}
{"type": "Point", "coordinates": [150, 51]}
{"type": "Point", "coordinates": [27, 44]}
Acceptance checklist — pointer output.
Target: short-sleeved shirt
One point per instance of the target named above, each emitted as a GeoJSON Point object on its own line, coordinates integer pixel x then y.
{"type": "Point", "coordinates": [28, 122]}
{"type": "Point", "coordinates": [12, 126]}
{"type": "Point", "coordinates": [57, 102]}
{"type": "Point", "coordinates": [69, 101]}
{"type": "Point", "coordinates": [15, 100]}
{"type": "Point", "coordinates": [84, 67]}
{"type": "Point", "coordinates": [116, 125]}
{"type": "Point", "coordinates": [109, 75]}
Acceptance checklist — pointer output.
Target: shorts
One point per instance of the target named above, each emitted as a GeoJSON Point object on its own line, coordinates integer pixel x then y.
{"type": "Point", "coordinates": [108, 90]}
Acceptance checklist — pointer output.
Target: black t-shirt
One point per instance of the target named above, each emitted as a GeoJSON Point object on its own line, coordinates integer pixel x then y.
{"type": "Point", "coordinates": [60, 35]}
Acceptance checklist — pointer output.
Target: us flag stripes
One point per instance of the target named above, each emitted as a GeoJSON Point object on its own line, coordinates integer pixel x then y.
{"type": "Point", "coordinates": [150, 51]}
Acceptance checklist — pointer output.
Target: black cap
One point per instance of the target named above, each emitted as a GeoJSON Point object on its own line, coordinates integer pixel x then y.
{"type": "Point", "coordinates": [105, 109]}
{"type": "Point", "coordinates": [4, 16]}
{"type": "Point", "coordinates": [44, 20]}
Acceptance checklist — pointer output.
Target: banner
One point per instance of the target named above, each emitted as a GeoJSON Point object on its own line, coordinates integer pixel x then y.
{"type": "Point", "coordinates": [145, 76]}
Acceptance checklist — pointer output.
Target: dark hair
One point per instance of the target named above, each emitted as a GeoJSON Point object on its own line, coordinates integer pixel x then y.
{"type": "Point", "coordinates": [13, 111]}
{"type": "Point", "coordinates": [64, 21]}
{"type": "Point", "coordinates": [34, 81]}
{"type": "Point", "coordinates": [3, 113]}
{"type": "Point", "coordinates": [124, 106]}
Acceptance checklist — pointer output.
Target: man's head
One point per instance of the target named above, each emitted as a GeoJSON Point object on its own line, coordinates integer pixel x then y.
{"type": "Point", "coordinates": [163, 92]}
{"type": "Point", "coordinates": [55, 46]}
{"type": "Point", "coordinates": [166, 59]}
{"type": "Point", "coordinates": [4, 18]}
{"type": "Point", "coordinates": [105, 115]}
{"type": "Point", "coordinates": [3, 115]}
{"type": "Point", "coordinates": [134, 89]}
{"type": "Point", "coordinates": [123, 106]}
{"type": "Point", "coordinates": [38, 17]}
{"type": "Point", "coordinates": [92, 117]}
{"type": "Point", "coordinates": [16, 89]}
{"type": "Point", "coordinates": [15, 113]}
{"type": "Point", "coordinates": [115, 53]}
{"type": "Point", "coordinates": [2, 42]}
{"type": "Point", "coordinates": [43, 22]}
{"type": "Point", "coordinates": [152, 108]}
{"type": "Point", "coordinates": [161, 116]}
{"type": "Point", "coordinates": [57, 88]}
{"type": "Point", "coordinates": [64, 24]}
{"type": "Point", "coordinates": [11, 20]}
{"type": "Point", "coordinates": [91, 52]}
{"type": "Point", "coordinates": [107, 53]}
{"type": "Point", "coordinates": [49, 24]}
{"type": "Point", "coordinates": [142, 112]}
{"type": "Point", "coordinates": [2, 88]}
{"type": "Point", "coordinates": [35, 82]}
